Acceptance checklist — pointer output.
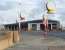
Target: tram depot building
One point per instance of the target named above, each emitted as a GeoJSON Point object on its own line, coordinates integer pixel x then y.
{"type": "Point", "coordinates": [34, 25]}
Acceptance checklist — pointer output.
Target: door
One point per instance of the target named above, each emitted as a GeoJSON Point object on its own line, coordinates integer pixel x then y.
{"type": "Point", "coordinates": [34, 27]}
{"type": "Point", "coordinates": [42, 26]}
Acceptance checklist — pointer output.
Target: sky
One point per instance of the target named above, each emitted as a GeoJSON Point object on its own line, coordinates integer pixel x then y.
{"type": "Point", "coordinates": [30, 9]}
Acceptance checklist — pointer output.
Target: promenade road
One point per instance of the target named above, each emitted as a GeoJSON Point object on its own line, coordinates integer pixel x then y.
{"type": "Point", "coordinates": [36, 41]}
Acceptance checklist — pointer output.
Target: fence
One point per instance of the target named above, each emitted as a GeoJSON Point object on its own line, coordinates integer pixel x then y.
{"type": "Point", "coordinates": [8, 39]}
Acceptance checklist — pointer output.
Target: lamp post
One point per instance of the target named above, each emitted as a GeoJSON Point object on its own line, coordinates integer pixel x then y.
{"type": "Point", "coordinates": [49, 10]}
{"type": "Point", "coordinates": [20, 18]}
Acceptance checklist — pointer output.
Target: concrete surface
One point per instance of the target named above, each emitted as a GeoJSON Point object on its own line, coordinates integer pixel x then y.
{"type": "Point", "coordinates": [8, 38]}
{"type": "Point", "coordinates": [6, 41]}
{"type": "Point", "coordinates": [36, 41]}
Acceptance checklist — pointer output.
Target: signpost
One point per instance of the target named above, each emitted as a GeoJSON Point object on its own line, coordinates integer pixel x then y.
{"type": "Point", "coordinates": [20, 18]}
{"type": "Point", "coordinates": [49, 10]}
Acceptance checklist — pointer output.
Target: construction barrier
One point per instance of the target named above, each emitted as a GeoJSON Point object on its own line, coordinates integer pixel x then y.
{"type": "Point", "coordinates": [30, 30]}
{"type": "Point", "coordinates": [6, 41]}
{"type": "Point", "coordinates": [16, 36]}
{"type": "Point", "coordinates": [9, 39]}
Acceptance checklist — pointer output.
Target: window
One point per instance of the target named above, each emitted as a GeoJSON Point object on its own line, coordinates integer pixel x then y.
{"type": "Point", "coordinates": [34, 26]}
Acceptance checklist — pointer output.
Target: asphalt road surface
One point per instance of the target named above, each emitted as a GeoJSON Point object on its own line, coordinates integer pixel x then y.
{"type": "Point", "coordinates": [36, 41]}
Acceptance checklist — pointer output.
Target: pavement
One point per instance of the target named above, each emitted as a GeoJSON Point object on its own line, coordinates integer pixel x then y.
{"type": "Point", "coordinates": [36, 41]}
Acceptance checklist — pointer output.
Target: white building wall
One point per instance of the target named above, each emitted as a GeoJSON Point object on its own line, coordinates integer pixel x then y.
{"type": "Point", "coordinates": [29, 26]}
{"type": "Point", "coordinates": [2, 27]}
{"type": "Point", "coordinates": [38, 26]}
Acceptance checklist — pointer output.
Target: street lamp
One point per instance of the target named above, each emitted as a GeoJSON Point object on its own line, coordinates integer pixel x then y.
{"type": "Point", "coordinates": [20, 18]}
{"type": "Point", "coordinates": [49, 10]}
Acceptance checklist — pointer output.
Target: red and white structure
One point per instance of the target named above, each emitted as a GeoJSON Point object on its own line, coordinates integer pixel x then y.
{"type": "Point", "coordinates": [45, 22]}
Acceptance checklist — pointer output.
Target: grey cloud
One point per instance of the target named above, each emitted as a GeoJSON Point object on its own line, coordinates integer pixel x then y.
{"type": "Point", "coordinates": [8, 5]}
{"type": "Point", "coordinates": [62, 18]}
{"type": "Point", "coordinates": [35, 13]}
{"type": "Point", "coordinates": [61, 13]}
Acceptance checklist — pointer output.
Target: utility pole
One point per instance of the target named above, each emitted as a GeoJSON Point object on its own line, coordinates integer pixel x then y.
{"type": "Point", "coordinates": [45, 21]}
{"type": "Point", "coordinates": [49, 10]}
{"type": "Point", "coordinates": [20, 19]}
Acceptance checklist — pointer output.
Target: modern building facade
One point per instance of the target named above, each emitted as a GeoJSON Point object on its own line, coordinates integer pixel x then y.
{"type": "Point", "coordinates": [35, 25]}
{"type": "Point", "coordinates": [38, 25]}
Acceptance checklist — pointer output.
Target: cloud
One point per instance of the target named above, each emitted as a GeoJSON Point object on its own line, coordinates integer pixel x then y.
{"type": "Point", "coordinates": [8, 11]}
{"type": "Point", "coordinates": [7, 6]}
{"type": "Point", "coordinates": [31, 9]}
{"type": "Point", "coordinates": [60, 11]}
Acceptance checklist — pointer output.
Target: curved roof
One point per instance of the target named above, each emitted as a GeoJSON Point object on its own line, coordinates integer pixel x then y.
{"type": "Point", "coordinates": [38, 21]}
{"type": "Point", "coordinates": [35, 21]}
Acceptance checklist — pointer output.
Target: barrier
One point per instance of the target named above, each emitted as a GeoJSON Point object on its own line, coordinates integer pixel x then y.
{"type": "Point", "coordinates": [6, 41]}
{"type": "Point", "coordinates": [16, 36]}
{"type": "Point", "coordinates": [30, 30]}
{"type": "Point", "coordinates": [9, 39]}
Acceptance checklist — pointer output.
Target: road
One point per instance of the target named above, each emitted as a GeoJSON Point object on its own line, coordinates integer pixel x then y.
{"type": "Point", "coordinates": [36, 41]}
